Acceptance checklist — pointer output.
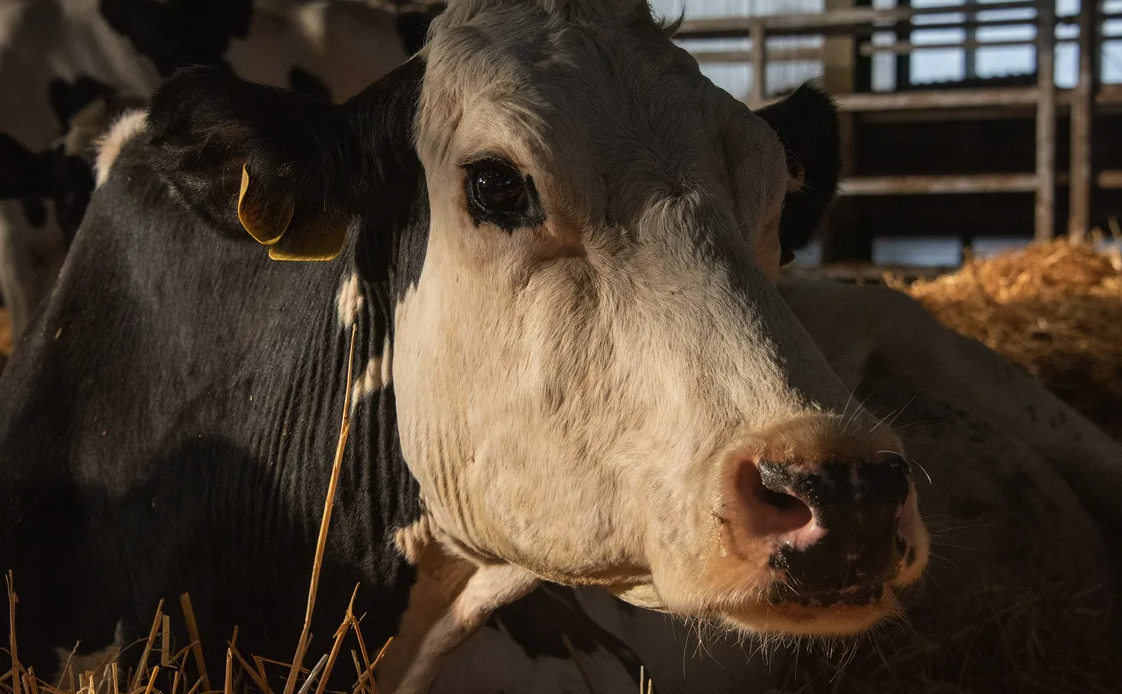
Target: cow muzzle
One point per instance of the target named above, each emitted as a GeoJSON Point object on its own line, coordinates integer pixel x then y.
{"type": "Point", "coordinates": [823, 534]}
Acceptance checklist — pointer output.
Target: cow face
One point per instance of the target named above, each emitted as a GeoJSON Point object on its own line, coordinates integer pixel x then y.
{"type": "Point", "coordinates": [596, 379]}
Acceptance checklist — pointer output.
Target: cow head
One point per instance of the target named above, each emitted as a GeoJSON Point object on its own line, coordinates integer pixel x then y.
{"type": "Point", "coordinates": [595, 376]}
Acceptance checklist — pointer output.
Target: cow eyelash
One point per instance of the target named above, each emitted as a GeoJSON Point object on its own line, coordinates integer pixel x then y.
{"type": "Point", "coordinates": [498, 193]}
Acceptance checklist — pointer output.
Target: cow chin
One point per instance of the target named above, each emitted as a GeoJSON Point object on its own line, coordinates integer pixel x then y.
{"type": "Point", "coordinates": [839, 619]}
{"type": "Point", "coordinates": [759, 616]}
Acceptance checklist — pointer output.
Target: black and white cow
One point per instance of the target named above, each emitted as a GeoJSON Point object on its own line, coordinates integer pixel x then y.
{"type": "Point", "coordinates": [62, 59]}
{"type": "Point", "coordinates": [558, 244]}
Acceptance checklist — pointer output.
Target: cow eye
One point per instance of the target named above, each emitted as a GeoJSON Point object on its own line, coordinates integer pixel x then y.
{"type": "Point", "coordinates": [498, 193]}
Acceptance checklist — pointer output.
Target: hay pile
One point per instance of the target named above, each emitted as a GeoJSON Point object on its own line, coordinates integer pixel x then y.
{"type": "Point", "coordinates": [1054, 309]}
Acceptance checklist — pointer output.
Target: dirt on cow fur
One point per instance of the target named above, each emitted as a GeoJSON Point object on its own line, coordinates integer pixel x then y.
{"type": "Point", "coordinates": [1054, 309]}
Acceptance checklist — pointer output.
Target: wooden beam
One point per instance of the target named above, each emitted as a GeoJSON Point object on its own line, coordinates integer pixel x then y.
{"type": "Point", "coordinates": [909, 47]}
{"type": "Point", "coordinates": [1082, 112]}
{"type": "Point", "coordinates": [740, 27]}
{"type": "Point", "coordinates": [773, 54]}
{"type": "Point", "coordinates": [945, 98]}
{"type": "Point", "coordinates": [938, 185]}
{"type": "Point", "coordinates": [1045, 122]}
{"type": "Point", "coordinates": [759, 63]}
{"type": "Point", "coordinates": [1111, 180]}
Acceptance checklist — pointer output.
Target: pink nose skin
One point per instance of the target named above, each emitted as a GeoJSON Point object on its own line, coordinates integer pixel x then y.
{"type": "Point", "coordinates": [830, 528]}
{"type": "Point", "coordinates": [782, 519]}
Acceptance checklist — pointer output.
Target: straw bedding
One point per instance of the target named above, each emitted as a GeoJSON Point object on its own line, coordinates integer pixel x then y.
{"type": "Point", "coordinates": [1054, 309]}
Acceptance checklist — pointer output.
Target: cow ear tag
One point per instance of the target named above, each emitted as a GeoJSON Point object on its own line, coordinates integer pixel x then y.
{"type": "Point", "coordinates": [319, 238]}
{"type": "Point", "coordinates": [265, 219]}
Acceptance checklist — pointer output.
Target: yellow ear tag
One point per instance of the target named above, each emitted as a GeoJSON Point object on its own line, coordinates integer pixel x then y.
{"type": "Point", "coordinates": [265, 220]}
{"type": "Point", "coordinates": [320, 238]}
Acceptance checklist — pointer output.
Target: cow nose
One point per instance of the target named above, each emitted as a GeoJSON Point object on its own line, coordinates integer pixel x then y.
{"type": "Point", "coordinates": [830, 527]}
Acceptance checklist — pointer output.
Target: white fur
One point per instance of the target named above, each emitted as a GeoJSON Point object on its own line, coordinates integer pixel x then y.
{"type": "Point", "coordinates": [128, 126]}
{"type": "Point", "coordinates": [377, 375]}
{"type": "Point", "coordinates": [349, 301]}
{"type": "Point", "coordinates": [568, 395]}
{"type": "Point", "coordinates": [95, 662]}
{"type": "Point", "coordinates": [494, 658]}
{"type": "Point", "coordinates": [489, 588]}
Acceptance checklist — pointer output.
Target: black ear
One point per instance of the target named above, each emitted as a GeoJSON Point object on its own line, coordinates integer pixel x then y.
{"type": "Point", "coordinates": [294, 171]}
{"type": "Point", "coordinates": [807, 124]}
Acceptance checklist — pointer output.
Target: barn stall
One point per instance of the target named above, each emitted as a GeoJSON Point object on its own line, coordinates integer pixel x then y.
{"type": "Point", "coordinates": [1053, 308]}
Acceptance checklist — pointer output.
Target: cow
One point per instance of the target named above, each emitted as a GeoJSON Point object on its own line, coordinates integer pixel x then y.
{"type": "Point", "coordinates": [62, 58]}
{"type": "Point", "coordinates": [1018, 488]}
{"type": "Point", "coordinates": [556, 243]}
{"type": "Point", "coordinates": [1022, 490]}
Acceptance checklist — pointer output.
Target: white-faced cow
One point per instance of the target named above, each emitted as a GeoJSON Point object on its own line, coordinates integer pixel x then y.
{"type": "Point", "coordinates": [1022, 491]}
{"type": "Point", "coordinates": [558, 244]}
{"type": "Point", "coordinates": [87, 59]}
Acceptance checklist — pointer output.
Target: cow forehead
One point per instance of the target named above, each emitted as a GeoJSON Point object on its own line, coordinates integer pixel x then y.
{"type": "Point", "coordinates": [600, 102]}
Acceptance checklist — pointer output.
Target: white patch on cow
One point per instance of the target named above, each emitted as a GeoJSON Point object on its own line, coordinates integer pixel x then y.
{"type": "Point", "coordinates": [489, 588]}
{"type": "Point", "coordinates": [349, 301]}
{"type": "Point", "coordinates": [377, 375]}
{"type": "Point", "coordinates": [130, 124]}
{"type": "Point", "coordinates": [411, 541]}
{"type": "Point", "coordinates": [91, 662]}
{"type": "Point", "coordinates": [493, 661]}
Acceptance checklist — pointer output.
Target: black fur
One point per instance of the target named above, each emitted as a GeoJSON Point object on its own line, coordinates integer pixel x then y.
{"type": "Point", "coordinates": [178, 33]}
{"type": "Point", "coordinates": [179, 437]}
{"type": "Point", "coordinates": [300, 80]}
{"type": "Point", "coordinates": [807, 123]}
{"type": "Point", "coordinates": [543, 638]}
{"type": "Point", "coordinates": [68, 98]}
{"type": "Point", "coordinates": [413, 26]}
{"type": "Point", "coordinates": [65, 180]}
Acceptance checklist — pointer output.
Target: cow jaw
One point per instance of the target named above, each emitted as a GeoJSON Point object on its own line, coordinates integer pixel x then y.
{"type": "Point", "coordinates": [603, 386]}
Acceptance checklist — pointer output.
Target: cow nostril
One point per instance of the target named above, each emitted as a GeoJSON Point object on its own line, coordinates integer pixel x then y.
{"type": "Point", "coordinates": [784, 502]}
{"type": "Point", "coordinates": [769, 512]}
{"type": "Point", "coordinates": [792, 514]}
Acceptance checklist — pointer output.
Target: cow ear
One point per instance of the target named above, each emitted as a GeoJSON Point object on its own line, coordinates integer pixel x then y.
{"type": "Point", "coordinates": [293, 171]}
{"type": "Point", "coordinates": [807, 124]}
